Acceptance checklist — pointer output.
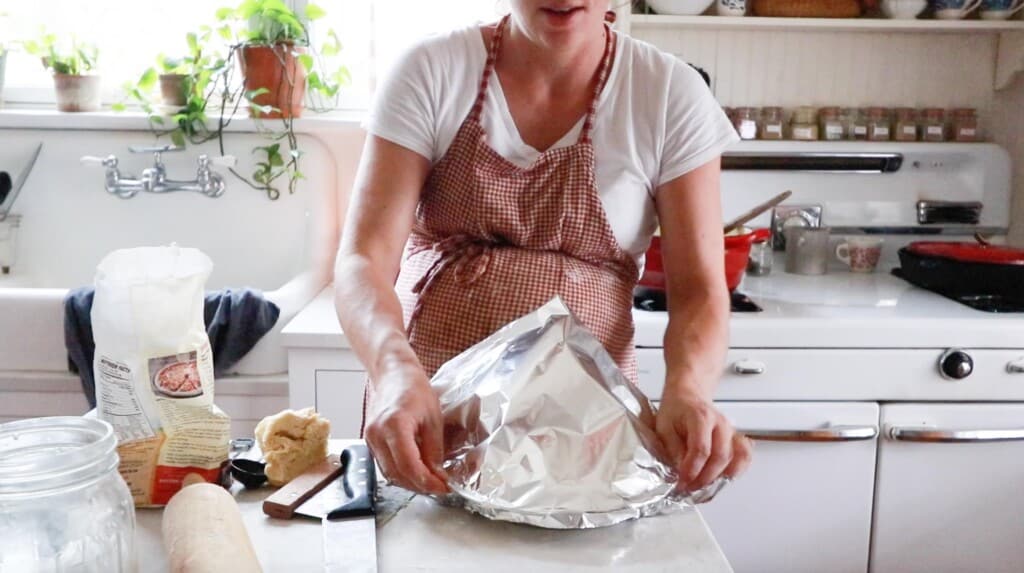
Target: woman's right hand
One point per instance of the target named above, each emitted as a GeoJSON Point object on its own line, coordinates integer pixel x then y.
{"type": "Point", "coordinates": [405, 432]}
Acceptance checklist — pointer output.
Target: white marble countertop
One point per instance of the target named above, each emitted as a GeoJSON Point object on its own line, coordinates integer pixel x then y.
{"type": "Point", "coordinates": [837, 310]}
{"type": "Point", "coordinates": [427, 537]}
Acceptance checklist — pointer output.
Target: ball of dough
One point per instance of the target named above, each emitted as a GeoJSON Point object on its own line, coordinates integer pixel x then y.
{"type": "Point", "coordinates": [291, 442]}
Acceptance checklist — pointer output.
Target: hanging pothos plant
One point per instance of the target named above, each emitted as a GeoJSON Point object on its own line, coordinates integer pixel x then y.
{"type": "Point", "coordinates": [261, 54]}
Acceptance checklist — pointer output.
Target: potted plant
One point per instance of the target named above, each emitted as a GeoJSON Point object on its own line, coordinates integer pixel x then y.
{"type": "Point", "coordinates": [175, 75]}
{"type": "Point", "coordinates": [77, 89]}
{"type": "Point", "coordinates": [273, 40]}
{"type": "Point", "coordinates": [273, 43]}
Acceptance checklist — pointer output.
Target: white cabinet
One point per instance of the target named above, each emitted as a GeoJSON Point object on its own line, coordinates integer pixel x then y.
{"type": "Point", "coordinates": [332, 380]}
{"type": "Point", "coordinates": [950, 491]}
{"type": "Point", "coordinates": [805, 503]}
{"type": "Point", "coordinates": [339, 397]}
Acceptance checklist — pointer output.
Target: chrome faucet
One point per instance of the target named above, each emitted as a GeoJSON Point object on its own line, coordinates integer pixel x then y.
{"type": "Point", "coordinates": [154, 179]}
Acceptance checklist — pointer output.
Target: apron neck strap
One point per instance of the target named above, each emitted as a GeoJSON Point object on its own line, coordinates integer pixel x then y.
{"type": "Point", "coordinates": [492, 58]}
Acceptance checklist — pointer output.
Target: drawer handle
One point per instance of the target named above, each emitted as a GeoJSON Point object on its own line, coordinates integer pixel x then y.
{"type": "Point", "coordinates": [932, 435]}
{"type": "Point", "coordinates": [826, 434]}
{"type": "Point", "coordinates": [1015, 367]}
{"type": "Point", "coordinates": [748, 367]}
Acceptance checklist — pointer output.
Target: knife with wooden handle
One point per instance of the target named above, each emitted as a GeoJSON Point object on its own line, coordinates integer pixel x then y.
{"type": "Point", "coordinates": [340, 491]}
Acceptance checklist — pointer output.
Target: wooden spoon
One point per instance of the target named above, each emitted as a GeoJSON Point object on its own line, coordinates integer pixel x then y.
{"type": "Point", "coordinates": [753, 213]}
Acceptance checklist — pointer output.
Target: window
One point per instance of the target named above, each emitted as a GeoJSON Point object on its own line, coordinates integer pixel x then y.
{"type": "Point", "coordinates": [130, 34]}
{"type": "Point", "coordinates": [375, 32]}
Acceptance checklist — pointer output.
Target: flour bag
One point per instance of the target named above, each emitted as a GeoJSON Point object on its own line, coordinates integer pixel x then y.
{"type": "Point", "coordinates": [154, 370]}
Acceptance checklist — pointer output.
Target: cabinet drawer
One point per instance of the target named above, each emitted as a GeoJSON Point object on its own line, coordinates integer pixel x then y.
{"type": "Point", "coordinates": [950, 500]}
{"type": "Point", "coordinates": [849, 374]}
{"type": "Point", "coordinates": [805, 505]}
{"type": "Point", "coordinates": [339, 397]}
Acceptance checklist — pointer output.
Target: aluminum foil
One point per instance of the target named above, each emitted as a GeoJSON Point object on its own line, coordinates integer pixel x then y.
{"type": "Point", "coordinates": [542, 428]}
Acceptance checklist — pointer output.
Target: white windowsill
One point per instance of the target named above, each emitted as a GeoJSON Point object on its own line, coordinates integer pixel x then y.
{"type": "Point", "coordinates": [46, 117]}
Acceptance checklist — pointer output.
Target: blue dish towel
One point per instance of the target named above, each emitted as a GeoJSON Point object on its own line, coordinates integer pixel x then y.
{"type": "Point", "coordinates": [236, 319]}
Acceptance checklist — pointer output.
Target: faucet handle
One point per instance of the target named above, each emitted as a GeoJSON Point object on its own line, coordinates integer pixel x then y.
{"type": "Point", "coordinates": [108, 161]}
{"type": "Point", "coordinates": [153, 148]}
{"type": "Point", "coordinates": [224, 161]}
{"type": "Point", "coordinates": [205, 161]}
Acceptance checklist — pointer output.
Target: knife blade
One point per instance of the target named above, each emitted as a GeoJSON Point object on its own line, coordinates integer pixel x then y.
{"type": "Point", "coordinates": [347, 509]}
{"type": "Point", "coordinates": [18, 184]}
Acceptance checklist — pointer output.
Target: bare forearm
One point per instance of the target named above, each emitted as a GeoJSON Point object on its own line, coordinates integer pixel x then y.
{"type": "Point", "coordinates": [371, 317]}
{"type": "Point", "coordinates": [696, 340]}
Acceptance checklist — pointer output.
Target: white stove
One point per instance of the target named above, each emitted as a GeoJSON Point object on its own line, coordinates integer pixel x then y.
{"type": "Point", "coordinates": [878, 407]}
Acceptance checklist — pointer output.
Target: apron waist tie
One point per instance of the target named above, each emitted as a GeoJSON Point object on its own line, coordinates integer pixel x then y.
{"type": "Point", "coordinates": [469, 257]}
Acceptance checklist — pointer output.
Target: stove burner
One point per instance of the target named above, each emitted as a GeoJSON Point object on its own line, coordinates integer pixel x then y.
{"type": "Point", "coordinates": [982, 302]}
{"type": "Point", "coordinates": [654, 300]}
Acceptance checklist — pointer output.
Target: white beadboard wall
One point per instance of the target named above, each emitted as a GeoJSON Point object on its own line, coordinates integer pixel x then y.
{"type": "Point", "coordinates": [858, 69]}
{"type": "Point", "coordinates": [760, 68]}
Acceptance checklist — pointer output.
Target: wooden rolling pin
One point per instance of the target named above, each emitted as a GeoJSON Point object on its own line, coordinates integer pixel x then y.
{"type": "Point", "coordinates": [203, 533]}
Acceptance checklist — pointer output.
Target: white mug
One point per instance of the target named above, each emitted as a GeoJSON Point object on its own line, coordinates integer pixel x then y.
{"type": "Point", "coordinates": [731, 7]}
{"type": "Point", "coordinates": [861, 254]}
{"type": "Point", "coordinates": [954, 9]}
{"type": "Point", "coordinates": [1000, 9]}
{"type": "Point", "coordinates": [904, 9]}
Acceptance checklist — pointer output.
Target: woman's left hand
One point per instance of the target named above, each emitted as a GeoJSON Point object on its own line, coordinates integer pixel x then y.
{"type": "Point", "coordinates": [700, 441]}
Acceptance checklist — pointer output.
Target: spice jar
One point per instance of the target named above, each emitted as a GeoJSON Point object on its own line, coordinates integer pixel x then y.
{"type": "Point", "coordinates": [771, 123]}
{"type": "Point", "coordinates": [830, 124]}
{"type": "Point", "coordinates": [745, 122]}
{"type": "Point", "coordinates": [63, 505]}
{"type": "Point", "coordinates": [878, 124]}
{"type": "Point", "coordinates": [965, 125]}
{"type": "Point", "coordinates": [934, 125]}
{"type": "Point", "coordinates": [804, 126]}
{"type": "Point", "coordinates": [906, 124]}
{"type": "Point", "coordinates": [857, 124]}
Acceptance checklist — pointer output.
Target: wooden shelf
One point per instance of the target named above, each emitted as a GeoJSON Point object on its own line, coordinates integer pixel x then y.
{"type": "Point", "coordinates": [827, 24]}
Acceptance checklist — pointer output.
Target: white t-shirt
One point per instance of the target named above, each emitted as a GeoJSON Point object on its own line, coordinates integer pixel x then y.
{"type": "Point", "coordinates": [656, 120]}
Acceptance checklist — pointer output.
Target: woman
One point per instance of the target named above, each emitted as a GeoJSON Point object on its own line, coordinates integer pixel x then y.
{"type": "Point", "coordinates": [515, 162]}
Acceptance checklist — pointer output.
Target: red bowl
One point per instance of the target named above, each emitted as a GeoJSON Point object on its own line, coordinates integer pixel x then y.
{"type": "Point", "coordinates": [737, 251]}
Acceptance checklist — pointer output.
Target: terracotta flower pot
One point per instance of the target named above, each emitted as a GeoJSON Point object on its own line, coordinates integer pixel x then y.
{"type": "Point", "coordinates": [276, 69]}
{"type": "Point", "coordinates": [77, 93]}
{"type": "Point", "coordinates": [172, 90]}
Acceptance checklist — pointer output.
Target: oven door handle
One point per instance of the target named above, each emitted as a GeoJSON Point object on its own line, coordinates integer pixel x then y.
{"type": "Point", "coordinates": [825, 434]}
{"type": "Point", "coordinates": [932, 435]}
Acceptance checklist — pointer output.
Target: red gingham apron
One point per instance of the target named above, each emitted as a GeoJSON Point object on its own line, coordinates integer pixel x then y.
{"type": "Point", "coordinates": [493, 241]}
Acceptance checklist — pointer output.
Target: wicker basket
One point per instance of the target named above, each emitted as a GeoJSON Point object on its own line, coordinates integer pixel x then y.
{"type": "Point", "coordinates": [808, 8]}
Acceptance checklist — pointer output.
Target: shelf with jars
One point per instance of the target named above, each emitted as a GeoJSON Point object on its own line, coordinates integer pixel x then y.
{"type": "Point", "coordinates": [875, 124]}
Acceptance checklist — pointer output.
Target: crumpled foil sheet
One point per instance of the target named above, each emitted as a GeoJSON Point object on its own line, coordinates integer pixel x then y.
{"type": "Point", "coordinates": [542, 428]}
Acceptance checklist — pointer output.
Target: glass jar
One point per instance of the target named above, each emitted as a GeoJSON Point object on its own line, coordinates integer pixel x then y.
{"type": "Point", "coordinates": [933, 128]}
{"type": "Point", "coordinates": [965, 125]}
{"type": "Point", "coordinates": [804, 126]}
{"type": "Point", "coordinates": [63, 505]}
{"type": "Point", "coordinates": [906, 124]}
{"type": "Point", "coordinates": [771, 123]}
{"type": "Point", "coordinates": [761, 258]}
{"type": "Point", "coordinates": [857, 124]}
{"type": "Point", "coordinates": [830, 124]}
{"type": "Point", "coordinates": [854, 123]}
{"type": "Point", "coordinates": [879, 128]}
{"type": "Point", "coordinates": [745, 122]}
